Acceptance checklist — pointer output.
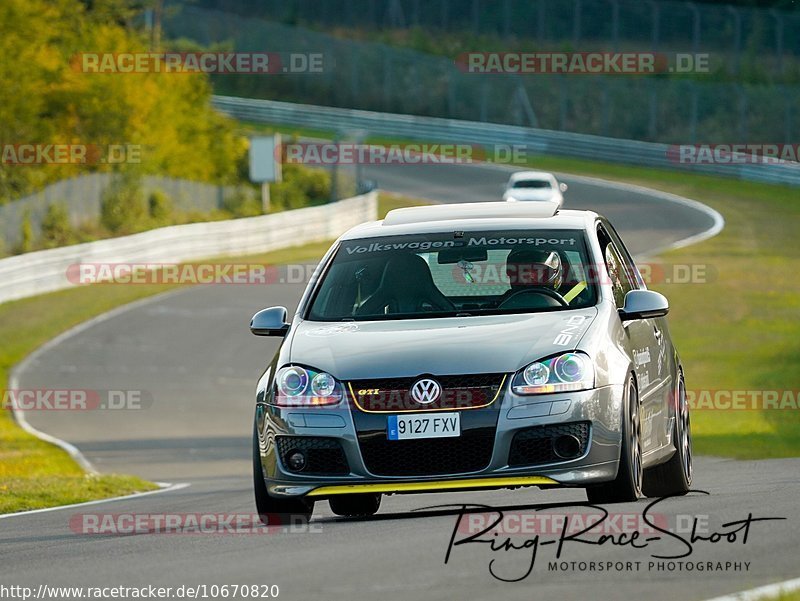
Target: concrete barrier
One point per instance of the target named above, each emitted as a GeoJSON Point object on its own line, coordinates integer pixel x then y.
{"type": "Point", "coordinates": [43, 271]}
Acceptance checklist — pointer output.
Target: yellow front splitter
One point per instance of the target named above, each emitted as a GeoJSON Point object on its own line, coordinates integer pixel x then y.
{"type": "Point", "coordinates": [430, 486]}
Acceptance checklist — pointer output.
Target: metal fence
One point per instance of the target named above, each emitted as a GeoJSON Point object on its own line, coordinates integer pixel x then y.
{"type": "Point", "coordinates": [535, 141]}
{"type": "Point", "coordinates": [372, 76]}
{"type": "Point", "coordinates": [82, 197]}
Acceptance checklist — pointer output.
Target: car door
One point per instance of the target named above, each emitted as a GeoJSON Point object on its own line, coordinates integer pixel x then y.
{"type": "Point", "coordinates": [659, 361]}
{"type": "Point", "coordinates": [640, 339]}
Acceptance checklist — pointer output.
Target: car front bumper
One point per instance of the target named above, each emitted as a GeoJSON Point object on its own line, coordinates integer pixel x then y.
{"type": "Point", "coordinates": [601, 407]}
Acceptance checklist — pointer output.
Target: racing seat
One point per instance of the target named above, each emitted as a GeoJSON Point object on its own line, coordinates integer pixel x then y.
{"type": "Point", "coordinates": [406, 287]}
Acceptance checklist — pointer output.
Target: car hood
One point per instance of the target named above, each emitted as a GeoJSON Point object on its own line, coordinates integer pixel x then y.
{"type": "Point", "coordinates": [439, 346]}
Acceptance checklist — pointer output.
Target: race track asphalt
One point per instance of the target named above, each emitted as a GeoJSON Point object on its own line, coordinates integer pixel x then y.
{"type": "Point", "coordinates": [192, 353]}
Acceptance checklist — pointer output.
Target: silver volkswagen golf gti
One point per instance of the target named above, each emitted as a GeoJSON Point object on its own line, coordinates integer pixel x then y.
{"type": "Point", "coordinates": [470, 347]}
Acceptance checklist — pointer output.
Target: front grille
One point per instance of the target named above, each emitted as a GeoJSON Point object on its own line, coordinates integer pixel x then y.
{"type": "Point", "coordinates": [458, 392]}
{"type": "Point", "coordinates": [324, 456]}
{"type": "Point", "coordinates": [470, 452]}
{"type": "Point", "coordinates": [533, 446]}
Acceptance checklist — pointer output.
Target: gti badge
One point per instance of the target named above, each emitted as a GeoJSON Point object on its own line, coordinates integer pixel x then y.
{"type": "Point", "coordinates": [426, 391]}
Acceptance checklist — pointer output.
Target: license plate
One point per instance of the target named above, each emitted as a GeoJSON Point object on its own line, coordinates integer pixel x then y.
{"type": "Point", "coordinates": [423, 425]}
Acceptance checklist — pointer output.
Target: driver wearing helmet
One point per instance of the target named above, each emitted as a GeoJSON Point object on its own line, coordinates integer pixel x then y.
{"type": "Point", "coordinates": [541, 274]}
{"type": "Point", "coordinates": [531, 267]}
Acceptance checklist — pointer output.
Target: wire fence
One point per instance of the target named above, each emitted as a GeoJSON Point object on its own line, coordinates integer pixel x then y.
{"type": "Point", "coordinates": [733, 31]}
{"type": "Point", "coordinates": [378, 77]}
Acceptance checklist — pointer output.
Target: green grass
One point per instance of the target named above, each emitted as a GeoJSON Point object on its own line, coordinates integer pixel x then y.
{"type": "Point", "coordinates": [741, 331]}
{"type": "Point", "coordinates": [287, 131]}
{"type": "Point", "coordinates": [793, 596]}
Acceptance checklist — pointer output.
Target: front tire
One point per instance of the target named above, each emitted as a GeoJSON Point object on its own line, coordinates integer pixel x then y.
{"type": "Point", "coordinates": [627, 486]}
{"type": "Point", "coordinates": [272, 511]}
{"type": "Point", "coordinates": [356, 506]}
{"type": "Point", "coordinates": [674, 477]}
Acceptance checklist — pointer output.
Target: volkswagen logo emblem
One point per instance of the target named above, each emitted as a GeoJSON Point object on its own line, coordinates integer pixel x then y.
{"type": "Point", "coordinates": [426, 391]}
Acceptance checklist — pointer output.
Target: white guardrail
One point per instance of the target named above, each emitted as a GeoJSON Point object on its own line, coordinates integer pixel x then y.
{"type": "Point", "coordinates": [45, 271]}
{"type": "Point", "coordinates": [536, 141]}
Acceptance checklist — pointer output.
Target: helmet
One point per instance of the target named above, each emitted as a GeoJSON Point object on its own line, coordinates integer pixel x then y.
{"type": "Point", "coordinates": [528, 268]}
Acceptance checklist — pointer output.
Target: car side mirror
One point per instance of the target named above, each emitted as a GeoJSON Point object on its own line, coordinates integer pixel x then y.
{"type": "Point", "coordinates": [563, 187]}
{"type": "Point", "coordinates": [270, 322]}
{"type": "Point", "coordinates": [643, 304]}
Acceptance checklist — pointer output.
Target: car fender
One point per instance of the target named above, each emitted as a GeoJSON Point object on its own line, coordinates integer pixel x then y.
{"type": "Point", "coordinates": [604, 341]}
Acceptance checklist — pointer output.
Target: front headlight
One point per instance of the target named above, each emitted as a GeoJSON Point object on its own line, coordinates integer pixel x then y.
{"type": "Point", "coordinates": [567, 372]}
{"type": "Point", "coordinates": [302, 387]}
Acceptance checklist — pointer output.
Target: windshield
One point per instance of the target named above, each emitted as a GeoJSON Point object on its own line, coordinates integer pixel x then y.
{"type": "Point", "coordinates": [532, 183]}
{"type": "Point", "coordinates": [455, 274]}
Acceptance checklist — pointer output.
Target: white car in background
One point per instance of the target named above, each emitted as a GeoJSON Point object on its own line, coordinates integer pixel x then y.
{"type": "Point", "coordinates": [534, 186]}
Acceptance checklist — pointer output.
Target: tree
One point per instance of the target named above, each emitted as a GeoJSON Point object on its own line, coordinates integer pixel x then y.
{"type": "Point", "coordinates": [49, 95]}
{"type": "Point", "coordinates": [56, 228]}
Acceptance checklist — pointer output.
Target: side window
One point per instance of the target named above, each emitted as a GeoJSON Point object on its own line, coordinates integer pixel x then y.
{"type": "Point", "coordinates": [617, 272]}
{"type": "Point", "coordinates": [635, 276]}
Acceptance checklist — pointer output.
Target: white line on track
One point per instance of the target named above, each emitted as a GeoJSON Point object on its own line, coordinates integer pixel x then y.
{"type": "Point", "coordinates": [716, 227]}
{"type": "Point", "coordinates": [769, 591]}
{"type": "Point", "coordinates": [165, 487]}
{"type": "Point", "coordinates": [717, 219]}
{"type": "Point", "coordinates": [13, 379]}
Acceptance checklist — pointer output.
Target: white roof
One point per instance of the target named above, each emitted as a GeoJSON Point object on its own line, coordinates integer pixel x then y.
{"type": "Point", "coordinates": [475, 216]}
{"type": "Point", "coordinates": [472, 210]}
{"type": "Point", "coordinates": [537, 175]}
